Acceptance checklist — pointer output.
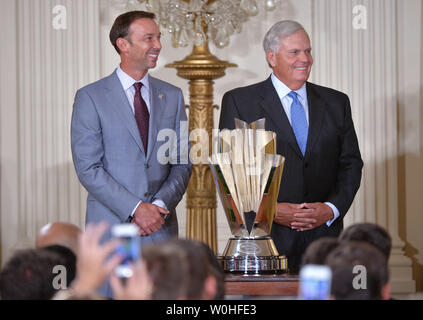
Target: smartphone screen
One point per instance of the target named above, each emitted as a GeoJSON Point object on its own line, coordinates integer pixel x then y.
{"type": "Point", "coordinates": [315, 282]}
{"type": "Point", "coordinates": [129, 249]}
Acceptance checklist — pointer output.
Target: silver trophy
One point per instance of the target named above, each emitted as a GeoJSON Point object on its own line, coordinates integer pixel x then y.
{"type": "Point", "coordinates": [247, 173]}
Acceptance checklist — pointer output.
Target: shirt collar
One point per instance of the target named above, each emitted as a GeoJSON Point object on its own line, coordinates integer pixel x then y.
{"type": "Point", "coordinates": [283, 90]}
{"type": "Point", "coordinates": [127, 81]}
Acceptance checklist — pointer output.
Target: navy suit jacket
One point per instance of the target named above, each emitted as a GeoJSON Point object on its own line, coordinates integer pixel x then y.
{"type": "Point", "coordinates": [330, 170]}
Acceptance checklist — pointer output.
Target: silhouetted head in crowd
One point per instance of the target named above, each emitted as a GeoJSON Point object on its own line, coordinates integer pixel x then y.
{"type": "Point", "coordinates": [28, 275]}
{"type": "Point", "coordinates": [370, 233]}
{"type": "Point", "coordinates": [180, 269]}
{"type": "Point", "coordinates": [168, 269]}
{"type": "Point", "coordinates": [58, 233]}
{"type": "Point", "coordinates": [69, 261]}
{"type": "Point", "coordinates": [359, 272]}
{"type": "Point", "coordinates": [317, 252]}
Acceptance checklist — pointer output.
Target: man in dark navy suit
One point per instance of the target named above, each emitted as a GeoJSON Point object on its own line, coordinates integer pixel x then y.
{"type": "Point", "coordinates": [315, 134]}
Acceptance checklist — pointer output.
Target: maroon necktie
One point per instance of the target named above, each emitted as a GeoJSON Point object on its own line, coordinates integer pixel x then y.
{"type": "Point", "coordinates": [141, 115]}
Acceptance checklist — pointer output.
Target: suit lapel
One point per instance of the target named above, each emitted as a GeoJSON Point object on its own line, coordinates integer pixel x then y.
{"type": "Point", "coordinates": [120, 104]}
{"type": "Point", "coordinates": [273, 107]}
{"type": "Point", "coordinates": [316, 109]}
{"type": "Point", "coordinates": [157, 108]}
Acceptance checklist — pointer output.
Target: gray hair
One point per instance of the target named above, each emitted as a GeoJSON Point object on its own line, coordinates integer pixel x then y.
{"type": "Point", "coordinates": [278, 31]}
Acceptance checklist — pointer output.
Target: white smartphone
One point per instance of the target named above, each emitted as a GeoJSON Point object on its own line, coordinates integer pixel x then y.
{"type": "Point", "coordinates": [315, 282]}
{"type": "Point", "coordinates": [129, 249]}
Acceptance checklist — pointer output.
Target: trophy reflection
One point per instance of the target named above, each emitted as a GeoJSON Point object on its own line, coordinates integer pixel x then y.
{"type": "Point", "coordinates": [247, 173]}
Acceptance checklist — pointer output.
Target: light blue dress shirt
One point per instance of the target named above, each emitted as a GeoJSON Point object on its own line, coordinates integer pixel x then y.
{"type": "Point", "coordinates": [286, 101]}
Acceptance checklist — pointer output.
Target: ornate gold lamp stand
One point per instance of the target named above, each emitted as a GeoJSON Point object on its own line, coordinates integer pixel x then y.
{"type": "Point", "coordinates": [201, 68]}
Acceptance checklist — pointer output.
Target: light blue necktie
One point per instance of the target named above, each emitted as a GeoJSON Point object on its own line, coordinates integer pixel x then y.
{"type": "Point", "coordinates": [299, 122]}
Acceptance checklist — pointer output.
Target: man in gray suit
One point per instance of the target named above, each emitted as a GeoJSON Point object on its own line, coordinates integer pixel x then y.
{"type": "Point", "coordinates": [118, 124]}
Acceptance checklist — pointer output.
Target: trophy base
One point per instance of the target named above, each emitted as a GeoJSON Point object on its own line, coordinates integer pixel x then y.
{"type": "Point", "coordinates": [252, 256]}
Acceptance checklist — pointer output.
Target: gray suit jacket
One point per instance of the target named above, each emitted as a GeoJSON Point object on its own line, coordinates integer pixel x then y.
{"type": "Point", "coordinates": [109, 157]}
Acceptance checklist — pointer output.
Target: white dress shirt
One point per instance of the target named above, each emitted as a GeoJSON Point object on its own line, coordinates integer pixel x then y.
{"type": "Point", "coordinates": [128, 86]}
{"type": "Point", "coordinates": [286, 101]}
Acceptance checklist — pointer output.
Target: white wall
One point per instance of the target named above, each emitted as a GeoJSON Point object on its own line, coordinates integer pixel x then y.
{"type": "Point", "coordinates": [42, 67]}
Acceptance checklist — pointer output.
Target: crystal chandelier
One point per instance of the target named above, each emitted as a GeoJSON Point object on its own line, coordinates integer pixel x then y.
{"type": "Point", "coordinates": [196, 21]}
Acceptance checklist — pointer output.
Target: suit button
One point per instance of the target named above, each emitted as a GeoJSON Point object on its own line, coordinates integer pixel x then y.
{"type": "Point", "coordinates": [147, 166]}
{"type": "Point", "coordinates": [306, 165]}
{"type": "Point", "coordinates": [146, 194]}
{"type": "Point", "coordinates": [305, 193]}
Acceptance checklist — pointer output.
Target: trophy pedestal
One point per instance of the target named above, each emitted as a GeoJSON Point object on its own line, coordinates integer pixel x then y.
{"type": "Point", "coordinates": [252, 255]}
